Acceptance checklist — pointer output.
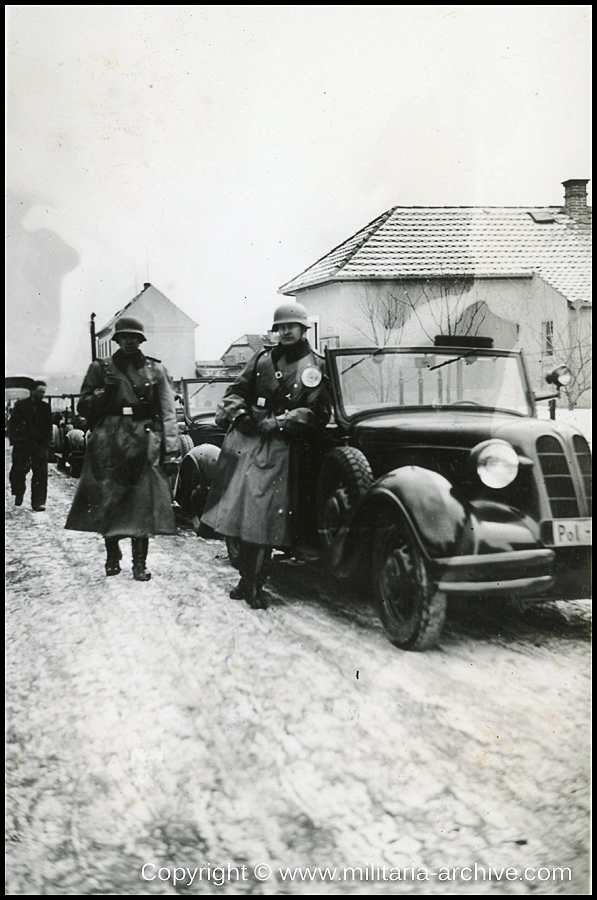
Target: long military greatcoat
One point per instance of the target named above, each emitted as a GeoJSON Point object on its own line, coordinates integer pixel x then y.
{"type": "Point", "coordinates": [249, 497]}
{"type": "Point", "coordinates": [122, 491]}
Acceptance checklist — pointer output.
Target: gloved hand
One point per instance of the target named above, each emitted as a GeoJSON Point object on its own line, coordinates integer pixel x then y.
{"type": "Point", "coordinates": [245, 424]}
{"type": "Point", "coordinates": [299, 422]}
{"type": "Point", "coordinates": [268, 427]}
{"type": "Point", "coordinates": [170, 468]}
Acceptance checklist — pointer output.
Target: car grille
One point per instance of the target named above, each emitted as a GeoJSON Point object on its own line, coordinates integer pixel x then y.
{"type": "Point", "coordinates": [558, 480]}
{"type": "Point", "coordinates": [583, 458]}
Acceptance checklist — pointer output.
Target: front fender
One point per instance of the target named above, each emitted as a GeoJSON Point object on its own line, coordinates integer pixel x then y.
{"type": "Point", "coordinates": [443, 525]}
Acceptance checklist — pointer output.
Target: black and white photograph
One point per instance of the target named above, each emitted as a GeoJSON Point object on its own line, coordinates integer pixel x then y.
{"type": "Point", "coordinates": [298, 396]}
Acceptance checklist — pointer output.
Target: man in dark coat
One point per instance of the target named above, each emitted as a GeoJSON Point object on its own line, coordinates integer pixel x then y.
{"type": "Point", "coordinates": [30, 433]}
{"type": "Point", "coordinates": [133, 448]}
{"type": "Point", "coordinates": [276, 404]}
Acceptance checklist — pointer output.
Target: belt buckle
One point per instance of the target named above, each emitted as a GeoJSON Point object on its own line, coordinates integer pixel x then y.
{"type": "Point", "coordinates": [127, 410]}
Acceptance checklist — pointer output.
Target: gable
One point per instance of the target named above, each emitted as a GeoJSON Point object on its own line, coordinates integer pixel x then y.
{"type": "Point", "coordinates": [151, 306]}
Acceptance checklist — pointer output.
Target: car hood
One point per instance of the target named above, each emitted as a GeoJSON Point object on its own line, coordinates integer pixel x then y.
{"type": "Point", "coordinates": [451, 428]}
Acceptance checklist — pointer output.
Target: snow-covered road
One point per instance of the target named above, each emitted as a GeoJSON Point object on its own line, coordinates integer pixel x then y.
{"type": "Point", "coordinates": [166, 725]}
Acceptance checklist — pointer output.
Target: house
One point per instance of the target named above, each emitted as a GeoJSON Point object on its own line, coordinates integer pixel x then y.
{"type": "Point", "coordinates": [521, 275]}
{"type": "Point", "coordinates": [236, 356]}
{"type": "Point", "coordinates": [244, 348]}
{"type": "Point", "coordinates": [170, 332]}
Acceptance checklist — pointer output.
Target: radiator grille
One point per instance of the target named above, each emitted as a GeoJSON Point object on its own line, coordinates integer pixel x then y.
{"type": "Point", "coordinates": [583, 459]}
{"type": "Point", "coordinates": [558, 481]}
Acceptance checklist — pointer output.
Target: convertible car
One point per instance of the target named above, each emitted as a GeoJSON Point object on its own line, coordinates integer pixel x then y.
{"type": "Point", "coordinates": [435, 478]}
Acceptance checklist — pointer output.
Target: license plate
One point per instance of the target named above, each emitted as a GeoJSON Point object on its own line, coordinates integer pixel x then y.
{"type": "Point", "coordinates": [572, 532]}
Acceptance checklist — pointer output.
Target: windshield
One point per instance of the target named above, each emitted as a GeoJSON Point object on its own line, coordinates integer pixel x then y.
{"type": "Point", "coordinates": [202, 398]}
{"type": "Point", "coordinates": [371, 380]}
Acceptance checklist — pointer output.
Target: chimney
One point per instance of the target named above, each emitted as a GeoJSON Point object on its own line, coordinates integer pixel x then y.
{"type": "Point", "coordinates": [575, 198]}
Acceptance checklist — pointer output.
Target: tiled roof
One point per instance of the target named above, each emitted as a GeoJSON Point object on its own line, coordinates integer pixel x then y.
{"type": "Point", "coordinates": [432, 242]}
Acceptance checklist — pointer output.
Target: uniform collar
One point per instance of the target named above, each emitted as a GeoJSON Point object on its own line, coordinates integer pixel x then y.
{"type": "Point", "coordinates": [292, 354]}
{"type": "Point", "coordinates": [121, 361]}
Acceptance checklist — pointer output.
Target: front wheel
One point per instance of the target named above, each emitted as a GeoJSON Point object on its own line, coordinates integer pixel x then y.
{"type": "Point", "coordinates": [412, 610]}
{"type": "Point", "coordinates": [344, 479]}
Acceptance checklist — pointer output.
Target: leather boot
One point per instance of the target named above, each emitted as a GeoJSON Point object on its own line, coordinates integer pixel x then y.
{"type": "Point", "coordinates": [140, 547]}
{"type": "Point", "coordinates": [255, 597]}
{"type": "Point", "coordinates": [240, 591]}
{"type": "Point", "coordinates": [253, 564]}
{"type": "Point", "coordinates": [113, 556]}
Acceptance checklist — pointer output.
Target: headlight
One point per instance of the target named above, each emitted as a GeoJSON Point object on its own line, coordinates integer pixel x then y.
{"type": "Point", "coordinates": [496, 462]}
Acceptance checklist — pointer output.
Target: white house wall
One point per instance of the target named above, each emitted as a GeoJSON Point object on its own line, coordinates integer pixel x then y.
{"type": "Point", "coordinates": [571, 328]}
{"type": "Point", "coordinates": [514, 311]}
{"type": "Point", "coordinates": [342, 309]}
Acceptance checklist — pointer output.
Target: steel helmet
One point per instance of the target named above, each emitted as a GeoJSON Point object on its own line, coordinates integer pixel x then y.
{"type": "Point", "coordinates": [128, 325]}
{"type": "Point", "coordinates": [290, 314]}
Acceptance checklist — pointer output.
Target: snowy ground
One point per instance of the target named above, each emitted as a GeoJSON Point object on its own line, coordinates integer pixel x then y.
{"type": "Point", "coordinates": [166, 724]}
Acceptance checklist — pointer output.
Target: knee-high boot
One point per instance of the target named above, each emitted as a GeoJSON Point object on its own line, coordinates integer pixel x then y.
{"type": "Point", "coordinates": [113, 556]}
{"type": "Point", "coordinates": [140, 547]}
{"type": "Point", "coordinates": [253, 565]}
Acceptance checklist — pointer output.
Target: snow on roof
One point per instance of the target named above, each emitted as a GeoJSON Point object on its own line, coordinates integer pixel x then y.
{"type": "Point", "coordinates": [482, 242]}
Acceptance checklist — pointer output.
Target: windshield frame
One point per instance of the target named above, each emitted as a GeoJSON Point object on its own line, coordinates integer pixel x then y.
{"type": "Point", "coordinates": [335, 356]}
{"type": "Point", "coordinates": [189, 383]}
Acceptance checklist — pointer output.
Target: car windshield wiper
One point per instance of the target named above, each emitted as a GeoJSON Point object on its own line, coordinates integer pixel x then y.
{"type": "Point", "coordinates": [199, 389]}
{"type": "Point", "coordinates": [359, 361]}
{"type": "Point", "coordinates": [449, 362]}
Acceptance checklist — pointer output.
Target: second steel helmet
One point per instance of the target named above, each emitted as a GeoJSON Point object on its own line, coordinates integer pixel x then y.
{"type": "Point", "coordinates": [290, 314]}
{"type": "Point", "coordinates": [128, 325]}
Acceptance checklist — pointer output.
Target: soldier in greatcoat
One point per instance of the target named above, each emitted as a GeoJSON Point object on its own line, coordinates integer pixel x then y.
{"type": "Point", "coordinates": [277, 402]}
{"type": "Point", "coordinates": [133, 447]}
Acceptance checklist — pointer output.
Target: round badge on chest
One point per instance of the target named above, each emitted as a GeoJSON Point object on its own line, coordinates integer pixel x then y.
{"type": "Point", "coordinates": [311, 376]}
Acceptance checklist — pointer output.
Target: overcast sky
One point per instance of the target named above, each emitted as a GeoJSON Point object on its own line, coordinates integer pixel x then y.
{"type": "Point", "coordinates": [217, 151]}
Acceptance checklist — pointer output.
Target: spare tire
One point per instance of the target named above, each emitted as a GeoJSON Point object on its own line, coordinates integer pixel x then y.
{"type": "Point", "coordinates": [186, 444]}
{"type": "Point", "coordinates": [344, 479]}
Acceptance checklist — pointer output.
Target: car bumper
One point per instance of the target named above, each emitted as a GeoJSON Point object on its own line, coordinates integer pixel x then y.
{"type": "Point", "coordinates": [518, 573]}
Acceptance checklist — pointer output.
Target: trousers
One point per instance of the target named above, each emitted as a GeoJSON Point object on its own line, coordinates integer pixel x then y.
{"type": "Point", "coordinates": [28, 457]}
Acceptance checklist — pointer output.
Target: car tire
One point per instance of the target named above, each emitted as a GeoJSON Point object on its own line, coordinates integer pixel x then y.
{"type": "Point", "coordinates": [411, 608]}
{"type": "Point", "coordinates": [186, 444]}
{"type": "Point", "coordinates": [344, 478]}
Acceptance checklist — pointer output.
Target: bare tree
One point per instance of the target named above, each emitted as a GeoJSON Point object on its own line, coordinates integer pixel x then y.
{"type": "Point", "coordinates": [447, 302]}
{"type": "Point", "coordinates": [382, 316]}
{"type": "Point", "coordinates": [440, 306]}
{"type": "Point", "coordinates": [575, 346]}
{"type": "Point", "coordinates": [569, 340]}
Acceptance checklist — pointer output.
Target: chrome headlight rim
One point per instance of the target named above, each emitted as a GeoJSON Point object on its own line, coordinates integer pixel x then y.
{"type": "Point", "coordinates": [496, 463]}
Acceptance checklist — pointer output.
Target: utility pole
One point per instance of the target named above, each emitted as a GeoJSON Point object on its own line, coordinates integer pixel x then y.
{"type": "Point", "coordinates": [93, 341]}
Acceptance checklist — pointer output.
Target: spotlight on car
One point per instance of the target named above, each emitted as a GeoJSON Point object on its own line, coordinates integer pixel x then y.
{"type": "Point", "coordinates": [560, 376]}
{"type": "Point", "coordinates": [496, 463]}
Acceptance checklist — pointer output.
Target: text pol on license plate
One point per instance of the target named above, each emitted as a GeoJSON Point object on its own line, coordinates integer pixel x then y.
{"type": "Point", "coordinates": [572, 532]}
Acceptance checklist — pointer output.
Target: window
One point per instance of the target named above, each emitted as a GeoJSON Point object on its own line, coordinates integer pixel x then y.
{"type": "Point", "coordinates": [547, 338]}
{"type": "Point", "coordinates": [331, 342]}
